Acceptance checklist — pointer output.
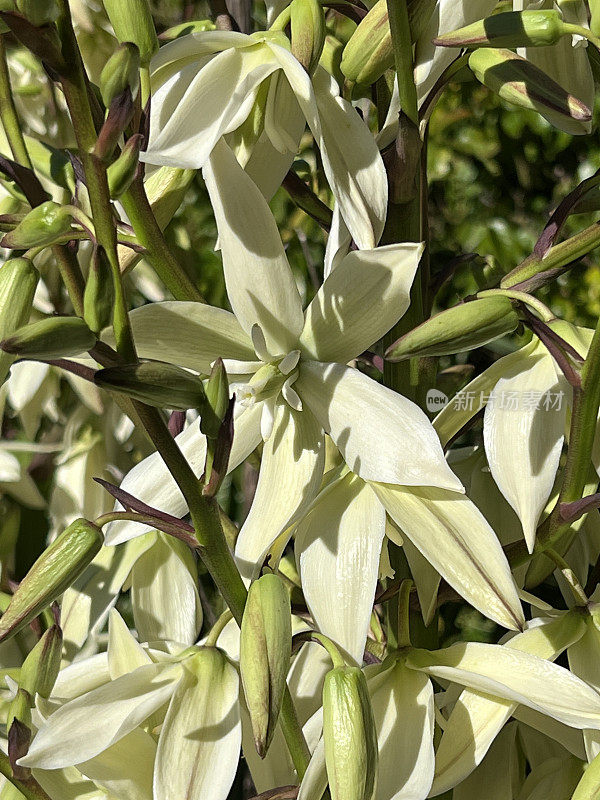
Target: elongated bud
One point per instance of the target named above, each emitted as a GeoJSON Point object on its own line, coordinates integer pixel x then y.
{"type": "Point", "coordinates": [265, 650]}
{"type": "Point", "coordinates": [41, 226]}
{"type": "Point", "coordinates": [121, 172]}
{"type": "Point", "coordinates": [194, 26]}
{"type": "Point", "coordinates": [18, 281]}
{"type": "Point", "coordinates": [20, 708]}
{"type": "Point", "coordinates": [156, 383]}
{"type": "Point", "coordinates": [132, 22]}
{"type": "Point", "coordinates": [41, 667]}
{"type": "Point", "coordinates": [99, 294]}
{"type": "Point", "coordinates": [510, 29]}
{"type": "Point", "coordinates": [52, 163]}
{"type": "Point", "coordinates": [120, 72]}
{"type": "Point", "coordinates": [217, 395]}
{"type": "Point", "coordinates": [308, 32]}
{"type": "Point", "coordinates": [54, 571]}
{"type": "Point", "coordinates": [351, 752]}
{"type": "Point", "coordinates": [55, 337]}
{"type": "Point", "coordinates": [38, 12]}
{"type": "Point", "coordinates": [458, 329]}
{"type": "Point", "coordinates": [369, 52]}
{"type": "Point", "coordinates": [520, 82]}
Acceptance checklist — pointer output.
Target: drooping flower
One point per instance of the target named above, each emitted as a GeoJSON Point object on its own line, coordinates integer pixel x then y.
{"type": "Point", "coordinates": [207, 84]}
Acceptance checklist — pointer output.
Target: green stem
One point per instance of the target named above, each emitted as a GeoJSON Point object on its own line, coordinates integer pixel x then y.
{"type": "Point", "coordinates": [294, 737]}
{"type": "Point", "coordinates": [8, 113]}
{"type": "Point", "coordinates": [158, 253]}
{"type": "Point", "coordinates": [332, 650]}
{"type": "Point", "coordinates": [570, 577]}
{"type": "Point", "coordinates": [403, 58]}
{"type": "Point", "coordinates": [217, 628]}
{"type": "Point", "coordinates": [541, 310]}
{"type": "Point", "coordinates": [31, 790]}
{"type": "Point", "coordinates": [75, 88]}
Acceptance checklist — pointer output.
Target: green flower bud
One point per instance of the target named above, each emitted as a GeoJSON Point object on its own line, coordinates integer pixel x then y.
{"type": "Point", "coordinates": [40, 668]}
{"type": "Point", "coordinates": [369, 52]}
{"type": "Point", "coordinates": [99, 294]}
{"type": "Point", "coordinates": [20, 708]}
{"type": "Point", "coordinates": [458, 329]}
{"type": "Point", "coordinates": [511, 29]}
{"type": "Point", "coordinates": [38, 12]}
{"type": "Point", "coordinates": [18, 281]}
{"type": "Point", "coordinates": [196, 26]}
{"type": "Point", "coordinates": [265, 650]}
{"type": "Point", "coordinates": [122, 70]}
{"type": "Point", "coordinates": [43, 225]}
{"type": "Point", "coordinates": [351, 752]}
{"type": "Point", "coordinates": [55, 337]}
{"type": "Point", "coordinates": [121, 172]}
{"type": "Point", "coordinates": [156, 383]}
{"type": "Point", "coordinates": [53, 164]}
{"type": "Point", "coordinates": [520, 82]}
{"type": "Point", "coordinates": [54, 571]}
{"type": "Point", "coordinates": [308, 32]}
{"type": "Point", "coordinates": [217, 394]}
{"type": "Point", "coordinates": [132, 22]}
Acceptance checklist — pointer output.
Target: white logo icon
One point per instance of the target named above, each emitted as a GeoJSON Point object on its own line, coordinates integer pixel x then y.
{"type": "Point", "coordinates": [435, 400]}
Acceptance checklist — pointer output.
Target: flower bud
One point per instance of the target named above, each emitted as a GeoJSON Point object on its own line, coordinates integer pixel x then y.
{"type": "Point", "coordinates": [520, 82]}
{"type": "Point", "coordinates": [54, 337]}
{"type": "Point", "coordinates": [217, 394]}
{"type": "Point", "coordinates": [156, 383]}
{"type": "Point", "coordinates": [132, 22]}
{"type": "Point", "coordinates": [40, 668]}
{"type": "Point", "coordinates": [20, 708]}
{"type": "Point", "coordinates": [121, 172]}
{"type": "Point", "coordinates": [120, 72]}
{"type": "Point", "coordinates": [351, 752]}
{"type": "Point", "coordinates": [308, 32]}
{"type": "Point", "coordinates": [54, 571]}
{"type": "Point", "coordinates": [510, 29]}
{"type": "Point", "coordinates": [52, 163]}
{"type": "Point", "coordinates": [41, 226]}
{"type": "Point", "coordinates": [458, 329]}
{"type": "Point", "coordinates": [38, 12]}
{"type": "Point", "coordinates": [18, 281]}
{"type": "Point", "coordinates": [265, 650]}
{"type": "Point", "coordinates": [99, 294]}
{"type": "Point", "coordinates": [184, 28]}
{"type": "Point", "coordinates": [369, 52]}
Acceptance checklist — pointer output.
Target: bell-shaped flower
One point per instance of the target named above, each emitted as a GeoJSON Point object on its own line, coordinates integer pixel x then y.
{"type": "Point", "coordinates": [480, 714]}
{"type": "Point", "coordinates": [567, 61]}
{"type": "Point", "coordinates": [288, 368]}
{"type": "Point", "coordinates": [212, 83]}
{"type": "Point", "coordinates": [526, 401]}
{"type": "Point", "coordinates": [338, 545]}
{"type": "Point", "coordinates": [200, 735]}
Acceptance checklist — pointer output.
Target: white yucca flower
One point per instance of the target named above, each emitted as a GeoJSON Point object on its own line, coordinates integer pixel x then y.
{"type": "Point", "coordinates": [206, 85]}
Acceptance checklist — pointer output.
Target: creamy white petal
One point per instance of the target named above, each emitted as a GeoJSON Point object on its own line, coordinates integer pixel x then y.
{"type": "Point", "coordinates": [152, 483]}
{"type": "Point", "coordinates": [314, 782]}
{"type": "Point", "coordinates": [583, 661]}
{"type": "Point", "coordinates": [448, 15]}
{"type": "Point", "coordinates": [260, 284]}
{"type": "Point", "coordinates": [124, 653]}
{"type": "Point", "coordinates": [200, 102]}
{"type": "Point", "coordinates": [193, 46]}
{"type": "Point", "coordinates": [338, 242]}
{"type": "Point", "coordinates": [164, 593]}
{"type": "Point", "coordinates": [81, 677]}
{"type": "Point", "coordinates": [496, 776]}
{"type": "Point", "coordinates": [125, 768]}
{"type": "Point", "coordinates": [477, 718]}
{"type": "Point", "coordinates": [10, 467]}
{"type": "Point", "coordinates": [351, 159]}
{"type": "Point", "coordinates": [402, 702]}
{"type": "Point", "coordinates": [394, 442]}
{"type": "Point", "coordinates": [89, 724]}
{"type": "Point", "coordinates": [289, 479]}
{"type": "Point", "coordinates": [200, 740]}
{"type": "Point", "coordinates": [426, 577]}
{"type": "Point", "coordinates": [455, 537]}
{"type": "Point", "coordinates": [523, 433]}
{"type": "Point", "coordinates": [514, 675]}
{"type": "Point", "coordinates": [337, 546]}
{"type": "Point", "coordinates": [189, 334]}
{"type": "Point", "coordinates": [466, 403]}
{"type": "Point", "coordinates": [359, 302]}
